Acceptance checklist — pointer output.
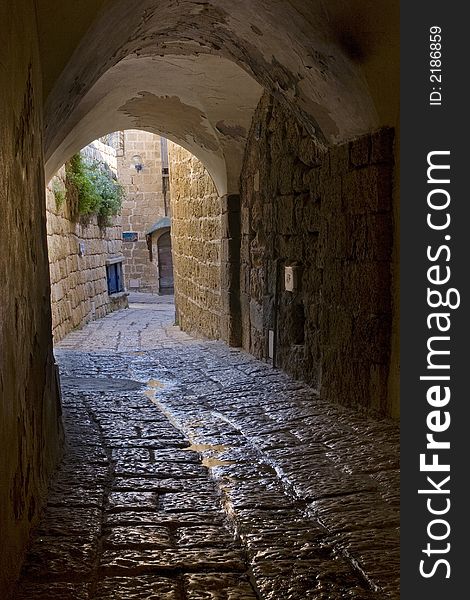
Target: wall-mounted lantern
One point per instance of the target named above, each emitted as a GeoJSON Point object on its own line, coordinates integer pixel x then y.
{"type": "Point", "coordinates": [137, 162]}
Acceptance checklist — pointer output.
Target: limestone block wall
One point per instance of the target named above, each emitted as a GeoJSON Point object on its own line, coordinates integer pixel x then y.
{"type": "Point", "coordinates": [77, 256]}
{"type": "Point", "coordinates": [196, 239]}
{"type": "Point", "coordinates": [102, 153]}
{"type": "Point", "coordinates": [328, 213]}
{"type": "Point", "coordinates": [143, 206]}
{"type": "Point", "coordinates": [30, 427]}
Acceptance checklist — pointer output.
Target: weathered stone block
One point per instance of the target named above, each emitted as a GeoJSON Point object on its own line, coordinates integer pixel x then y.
{"type": "Point", "coordinates": [382, 145]}
{"type": "Point", "coordinates": [257, 283]}
{"type": "Point", "coordinates": [368, 190]}
{"type": "Point", "coordinates": [330, 196]}
{"type": "Point", "coordinates": [309, 152]}
{"type": "Point", "coordinates": [311, 284]}
{"type": "Point", "coordinates": [378, 387]}
{"type": "Point", "coordinates": [337, 328]}
{"type": "Point", "coordinates": [298, 178]}
{"type": "Point", "coordinates": [268, 217]}
{"type": "Point", "coordinates": [338, 160]}
{"type": "Point", "coordinates": [359, 151]}
{"type": "Point", "coordinates": [311, 216]}
{"type": "Point", "coordinates": [256, 315]}
{"type": "Point", "coordinates": [366, 287]}
{"type": "Point", "coordinates": [285, 214]}
{"type": "Point", "coordinates": [380, 236]}
{"type": "Point", "coordinates": [371, 338]}
{"type": "Point", "coordinates": [283, 173]}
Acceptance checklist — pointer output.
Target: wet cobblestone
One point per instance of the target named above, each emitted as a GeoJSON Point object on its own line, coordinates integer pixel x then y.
{"type": "Point", "coordinates": [193, 471]}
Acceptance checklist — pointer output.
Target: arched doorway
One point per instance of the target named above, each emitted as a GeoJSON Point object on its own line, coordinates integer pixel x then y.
{"type": "Point", "coordinates": [165, 264]}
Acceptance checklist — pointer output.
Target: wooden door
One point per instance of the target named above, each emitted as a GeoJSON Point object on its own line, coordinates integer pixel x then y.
{"type": "Point", "coordinates": [165, 264]}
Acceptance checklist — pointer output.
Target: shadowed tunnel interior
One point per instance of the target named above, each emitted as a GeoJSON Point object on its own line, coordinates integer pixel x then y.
{"type": "Point", "coordinates": [292, 110]}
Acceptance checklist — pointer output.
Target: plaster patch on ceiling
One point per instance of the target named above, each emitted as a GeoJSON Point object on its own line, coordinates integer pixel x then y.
{"type": "Point", "coordinates": [168, 112]}
{"type": "Point", "coordinates": [230, 129]}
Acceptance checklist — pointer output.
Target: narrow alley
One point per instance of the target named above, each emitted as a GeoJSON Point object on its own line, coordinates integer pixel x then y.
{"type": "Point", "coordinates": [194, 471]}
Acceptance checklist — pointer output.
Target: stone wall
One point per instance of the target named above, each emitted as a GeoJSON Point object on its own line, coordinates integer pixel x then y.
{"type": "Point", "coordinates": [196, 238]}
{"type": "Point", "coordinates": [144, 205]}
{"type": "Point", "coordinates": [328, 213]}
{"type": "Point", "coordinates": [77, 257]}
{"type": "Point", "coordinates": [102, 153]}
{"type": "Point", "coordinates": [30, 428]}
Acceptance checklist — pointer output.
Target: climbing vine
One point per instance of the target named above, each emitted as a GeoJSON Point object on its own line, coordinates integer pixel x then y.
{"type": "Point", "coordinates": [92, 190]}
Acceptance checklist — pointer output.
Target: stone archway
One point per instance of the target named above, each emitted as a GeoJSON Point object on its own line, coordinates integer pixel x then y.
{"type": "Point", "coordinates": [236, 50]}
{"type": "Point", "coordinates": [195, 72]}
{"type": "Point", "coordinates": [75, 71]}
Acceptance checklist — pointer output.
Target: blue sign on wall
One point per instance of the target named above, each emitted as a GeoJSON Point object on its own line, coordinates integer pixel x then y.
{"type": "Point", "coordinates": [130, 236]}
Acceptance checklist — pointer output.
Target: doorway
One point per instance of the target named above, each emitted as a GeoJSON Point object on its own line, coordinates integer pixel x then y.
{"type": "Point", "coordinates": [165, 264]}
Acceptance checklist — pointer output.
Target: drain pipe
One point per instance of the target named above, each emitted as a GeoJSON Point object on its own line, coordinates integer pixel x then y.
{"type": "Point", "coordinates": [276, 310]}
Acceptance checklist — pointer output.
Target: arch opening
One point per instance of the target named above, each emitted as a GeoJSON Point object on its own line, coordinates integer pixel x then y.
{"type": "Point", "coordinates": [197, 79]}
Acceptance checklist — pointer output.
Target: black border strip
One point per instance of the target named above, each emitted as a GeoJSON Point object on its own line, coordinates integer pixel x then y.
{"type": "Point", "coordinates": [426, 128]}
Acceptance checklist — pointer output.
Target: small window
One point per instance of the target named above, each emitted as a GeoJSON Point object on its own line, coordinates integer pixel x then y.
{"type": "Point", "coordinates": [115, 278]}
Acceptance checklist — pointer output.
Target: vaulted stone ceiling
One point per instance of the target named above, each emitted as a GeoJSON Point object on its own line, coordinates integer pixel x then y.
{"type": "Point", "coordinates": [203, 103]}
{"type": "Point", "coordinates": [194, 71]}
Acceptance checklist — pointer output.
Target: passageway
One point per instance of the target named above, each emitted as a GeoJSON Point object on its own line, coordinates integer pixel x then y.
{"type": "Point", "coordinates": [285, 243]}
{"type": "Point", "coordinates": [181, 481]}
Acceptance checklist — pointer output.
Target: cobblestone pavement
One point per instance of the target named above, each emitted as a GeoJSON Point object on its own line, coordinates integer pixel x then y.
{"type": "Point", "coordinates": [193, 471]}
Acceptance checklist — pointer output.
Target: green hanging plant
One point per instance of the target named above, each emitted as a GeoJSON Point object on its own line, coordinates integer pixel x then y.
{"type": "Point", "coordinates": [92, 190]}
{"type": "Point", "coordinates": [109, 190]}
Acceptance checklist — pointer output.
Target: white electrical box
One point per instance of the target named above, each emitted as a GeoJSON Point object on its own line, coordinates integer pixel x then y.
{"type": "Point", "coordinates": [290, 279]}
{"type": "Point", "coordinates": [256, 182]}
